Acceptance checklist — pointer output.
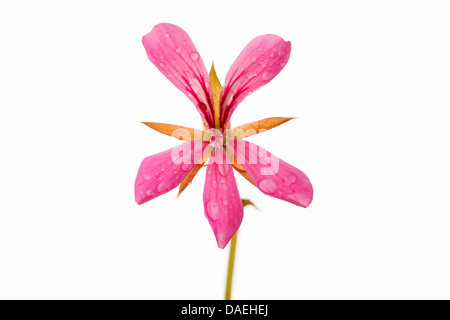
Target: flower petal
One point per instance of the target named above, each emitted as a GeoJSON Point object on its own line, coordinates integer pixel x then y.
{"type": "Point", "coordinates": [272, 176]}
{"type": "Point", "coordinates": [260, 61]}
{"type": "Point", "coordinates": [221, 199]}
{"type": "Point", "coordinates": [164, 171]}
{"type": "Point", "coordinates": [171, 50]}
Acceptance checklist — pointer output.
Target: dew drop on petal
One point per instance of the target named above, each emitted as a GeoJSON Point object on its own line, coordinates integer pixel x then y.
{"type": "Point", "coordinates": [178, 49]}
{"type": "Point", "coordinates": [167, 35]}
{"type": "Point", "coordinates": [268, 186]}
{"type": "Point", "coordinates": [225, 202]}
{"type": "Point", "coordinates": [290, 179]}
{"type": "Point", "coordinates": [271, 54]}
{"type": "Point", "coordinates": [214, 183]}
{"type": "Point", "coordinates": [149, 192]}
{"type": "Point", "coordinates": [267, 75]}
{"type": "Point", "coordinates": [254, 59]}
{"type": "Point", "coordinates": [163, 169]}
{"type": "Point", "coordinates": [194, 56]}
{"type": "Point", "coordinates": [222, 180]}
{"type": "Point", "coordinates": [224, 169]}
{"type": "Point", "coordinates": [195, 85]}
{"type": "Point", "coordinates": [186, 167]}
{"type": "Point", "coordinates": [146, 176]}
{"type": "Point", "coordinates": [249, 93]}
{"type": "Point", "coordinates": [163, 186]}
{"type": "Point", "coordinates": [162, 64]}
{"type": "Point", "coordinates": [213, 210]}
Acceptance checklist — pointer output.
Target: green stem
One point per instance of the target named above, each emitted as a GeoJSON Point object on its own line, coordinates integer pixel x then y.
{"type": "Point", "coordinates": [231, 267]}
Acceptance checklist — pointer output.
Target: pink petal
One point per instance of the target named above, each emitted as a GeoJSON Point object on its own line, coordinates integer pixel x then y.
{"type": "Point", "coordinates": [164, 171]}
{"type": "Point", "coordinates": [171, 50]}
{"type": "Point", "coordinates": [260, 61]}
{"type": "Point", "coordinates": [223, 206]}
{"type": "Point", "coordinates": [272, 175]}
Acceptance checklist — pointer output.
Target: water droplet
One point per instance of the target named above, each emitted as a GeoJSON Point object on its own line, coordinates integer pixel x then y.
{"type": "Point", "coordinates": [186, 167]}
{"type": "Point", "coordinates": [249, 93]}
{"type": "Point", "coordinates": [225, 202]}
{"type": "Point", "coordinates": [163, 169]}
{"type": "Point", "coordinates": [267, 75]}
{"type": "Point", "coordinates": [167, 35]}
{"type": "Point", "coordinates": [162, 64]}
{"type": "Point", "coordinates": [268, 186]}
{"type": "Point", "coordinates": [222, 180]}
{"type": "Point", "coordinates": [149, 192]}
{"type": "Point", "coordinates": [178, 49]}
{"type": "Point", "coordinates": [250, 75]}
{"type": "Point", "coordinates": [214, 183]}
{"type": "Point", "coordinates": [290, 179]}
{"type": "Point", "coordinates": [271, 54]}
{"type": "Point", "coordinates": [195, 85]}
{"type": "Point", "coordinates": [194, 56]}
{"type": "Point", "coordinates": [161, 57]}
{"type": "Point", "coordinates": [213, 210]}
{"type": "Point", "coordinates": [164, 186]}
{"type": "Point", "coordinates": [282, 64]}
{"type": "Point", "coordinates": [224, 169]}
{"type": "Point", "coordinates": [260, 49]}
{"type": "Point", "coordinates": [254, 59]}
{"type": "Point", "coordinates": [146, 176]}
{"type": "Point", "coordinates": [281, 52]}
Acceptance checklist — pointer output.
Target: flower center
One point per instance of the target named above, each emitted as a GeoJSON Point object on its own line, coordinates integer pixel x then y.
{"type": "Point", "coordinates": [216, 138]}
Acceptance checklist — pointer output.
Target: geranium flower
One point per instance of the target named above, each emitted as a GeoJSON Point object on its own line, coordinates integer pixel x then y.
{"type": "Point", "coordinates": [171, 50]}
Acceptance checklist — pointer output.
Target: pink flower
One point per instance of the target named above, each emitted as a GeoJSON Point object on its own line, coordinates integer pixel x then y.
{"type": "Point", "coordinates": [171, 50]}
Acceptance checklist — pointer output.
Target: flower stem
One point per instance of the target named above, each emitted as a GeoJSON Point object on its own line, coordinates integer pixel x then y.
{"type": "Point", "coordinates": [231, 267]}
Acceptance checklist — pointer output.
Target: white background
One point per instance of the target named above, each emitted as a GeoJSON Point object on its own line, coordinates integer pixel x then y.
{"type": "Point", "coordinates": [368, 81]}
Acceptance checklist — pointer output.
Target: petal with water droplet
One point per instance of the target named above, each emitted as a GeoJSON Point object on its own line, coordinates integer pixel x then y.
{"type": "Point", "coordinates": [162, 172]}
{"type": "Point", "coordinates": [246, 76]}
{"type": "Point", "coordinates": [167, 42]}
{"type": "Point", "coordinates": [222, 203]}
{"type": "Point", "coordinates": [272, 175]}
